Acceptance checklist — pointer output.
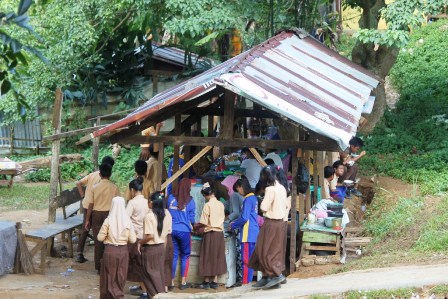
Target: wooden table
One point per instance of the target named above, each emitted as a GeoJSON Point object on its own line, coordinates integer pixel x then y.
{"type": "Point", "coordinates": [5, 172]}
{"type": "Point", "coordinates": [327, 239]}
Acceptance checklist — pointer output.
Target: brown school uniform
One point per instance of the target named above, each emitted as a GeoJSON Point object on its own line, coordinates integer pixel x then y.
{"type": "Point", "coordinates": [153, 255]}
{"type": "Point", "coordinates": [146, 192]}
{"type": "Point", "coordinates": [169, 249]}
{"type": "Point", "coordinates": [137, 209]}
{"type": "Point", "coordinates": [101, 198]}
{"type": "Point", "coordinates": [152, 174]}
{"type": "Point", "coordinates": [212, 258]}
{"type": "Point", "coordinates": [268, 255]}
{"type": "Point", "coordinates": [89, 181]}
{"type": "Point", "coordinates": [114, 266]}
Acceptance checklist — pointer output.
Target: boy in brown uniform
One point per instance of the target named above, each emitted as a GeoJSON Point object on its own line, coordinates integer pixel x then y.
{"type": "Point", "coordinates": [89, 181]}
{"type": "Point", "coordinates": [101, 199]}
{"type": "Point", "coordinates": [152, 173]}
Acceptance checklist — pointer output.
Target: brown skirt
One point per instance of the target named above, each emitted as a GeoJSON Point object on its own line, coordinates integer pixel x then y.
{"type": "Point", "coordinates": [268, 256]}
{"type": "Point", "coordinates": [212, 258]}
{"type": "Point", "coordinates": [153, 259]}
{"type": "Point", "coordinates": [135, 271]}
{"type": "Point", "coordinates": [169, 252]}
{"type": "Point", "coordinates": [285, 242]}
{"type": "Point", "coordinates": [114, 268]}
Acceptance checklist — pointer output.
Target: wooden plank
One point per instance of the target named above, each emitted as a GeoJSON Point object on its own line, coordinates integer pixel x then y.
{"type": "Point", "coordinates": [210, 126]}
{"type": "Point", "coordinates": [323, 248]}
{"type": "Point", "coordinates": [71, 133]}
{"type": "Point", "coordinates": [185, 167]}
{"type": "Point", "coordinates": [96, 147]}
{"type": "Point", "coordinates": [55, 228]}
{"type": "Point", "coordinates": [316, 167]}
{"type": "Point", "coordinates": [177, 132]}
{"type": "Point", "coordinates": [258, 157]}
{"type": "Point", "coordinates": [233, 142]}
{"type": "Point", "coordinates": [319, 237]}
{"type": "Point", "coordinates": [160, 165]}
{"type": "Point", "coordinates": [320, 172]}
{"type": "Point", "coordinates": [293, 241]}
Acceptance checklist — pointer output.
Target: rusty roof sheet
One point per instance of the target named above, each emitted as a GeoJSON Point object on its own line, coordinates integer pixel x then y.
{"type": "Point", "coordinates": [291, 74]}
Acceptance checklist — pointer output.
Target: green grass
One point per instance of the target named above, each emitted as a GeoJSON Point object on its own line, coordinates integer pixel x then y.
{"type": "Point", "coordinates": [378, 294]}
{"type": "Point", "coordinates": [439, 290]}
{"type": "Point", "coordinates": [25, 196]}
{"type": "Point", "coordinates": [320, 297]}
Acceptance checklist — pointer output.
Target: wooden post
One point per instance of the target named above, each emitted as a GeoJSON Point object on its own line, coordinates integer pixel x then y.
{"type": "Point", "coordinates": [229, 114]}
{"type": "Point", "coordinates": [160, 165]}
{"type": "Point", "coordinates": [56, 146]}
{"type": "Point", "coordinates": [321, 160]}
{"type": "Point", "coordinates": [316, 167]}
{"type": "Point", "coordinates": [96, 146]}
{"type": "Point", "coordinates": [177, 131]}
{"type": "Point", "coordinates": [307, 205]}
{"type": "Point", "coordinates": [293, 241]}
{"type": "Point", "coordinates": [155, 84]}
{"type": "Point", "coordinates": [210, 126]}
{"type": "Point", "coordinates": [258, 157]}
{"type": "Point", "coordinates": [11, 142]}
{"type": "Point", "coordinates": [302, 197]}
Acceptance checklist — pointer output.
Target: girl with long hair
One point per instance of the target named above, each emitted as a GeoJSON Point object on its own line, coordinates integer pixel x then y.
{"type": "Point", "coordinates": [268, 256]}
{"type": "Point", "coordinates": [116, 232]}
{"type": "Point", "coordinates": [156, 226]}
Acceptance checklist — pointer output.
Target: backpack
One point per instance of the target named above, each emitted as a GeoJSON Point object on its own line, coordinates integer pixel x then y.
{"type": "Point", "coordinates": [302, 179]}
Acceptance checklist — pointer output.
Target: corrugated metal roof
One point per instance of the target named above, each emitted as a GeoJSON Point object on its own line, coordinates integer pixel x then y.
{"type": "Point", "coordinates": [291, 74]}
{"type": "Point", "coordinates": [176, 56]}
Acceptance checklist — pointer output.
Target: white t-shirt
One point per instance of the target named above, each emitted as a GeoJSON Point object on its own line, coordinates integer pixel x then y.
{"type": "Point", "coordinates": [276, 158]}
{"type": "Point", "coordinates": [253, 169]}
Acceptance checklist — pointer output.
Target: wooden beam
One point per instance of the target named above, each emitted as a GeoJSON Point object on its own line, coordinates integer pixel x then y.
{"type": "Point", "coordinates": [210, 126]}
{"type": "Point", "coordinates": [96, 147]}
{"type": "Point", "coordinates": [307, 205]}
{"type": "Point", "coordinates": [229, 115]}
{"type": "Point", "coordinates": [293, 241]}
{"type": "Point", "coordinates": [70, 133]}
{"type": "Point", "coordinates": [316, 167]}
{"type": "Point", "coordinates": [234, 142]}
{"type": "Point", "coordinates": [162, 115]}
{"type": "Point", "coordinates": [185, 167]}
{"type": "Point", "coordinates": [177, 131]}
{"type": "Point", "coordinates": [258, 157]}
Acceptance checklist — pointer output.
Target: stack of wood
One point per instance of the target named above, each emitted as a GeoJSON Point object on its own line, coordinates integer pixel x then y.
{"type": "Point", "coordinates": [311, 260]}
{"type": "Point", "coordinates": [353, 243]}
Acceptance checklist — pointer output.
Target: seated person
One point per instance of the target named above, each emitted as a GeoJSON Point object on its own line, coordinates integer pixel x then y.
{"type": "Point", "coordinates": [337, 188]}
{"type": "Point", "coordinates": [348, 158]}
{"type": "Point", "coordinates": [276, 158]}
{"type": "Point", "coordinates": [328, 178]}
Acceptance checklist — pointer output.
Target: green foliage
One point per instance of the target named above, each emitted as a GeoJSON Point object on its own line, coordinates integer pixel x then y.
{"type": "Point", "coordinates": [401, 17]}
{"type": "Point", "coordinates": [24, 197]}
{"type": "Point", "coordinates": [345, 45]}
{"type": "Point", "coordinates": [70, 172]}
{"type": "Point", "coordinates": [391, 221]}
{"type": "Point", "coordinates": [378, 294]}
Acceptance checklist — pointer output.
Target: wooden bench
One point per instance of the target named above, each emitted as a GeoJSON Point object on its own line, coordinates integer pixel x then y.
{"type": "Point", "coordinates": [69, 202]}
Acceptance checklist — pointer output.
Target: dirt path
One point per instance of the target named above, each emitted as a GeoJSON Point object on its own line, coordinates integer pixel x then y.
{"type": "Point", "coordinates": [373, 279]}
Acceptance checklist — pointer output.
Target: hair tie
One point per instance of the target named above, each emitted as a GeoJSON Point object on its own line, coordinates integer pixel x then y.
{"type": "Point", "coordinates": [278, 167]}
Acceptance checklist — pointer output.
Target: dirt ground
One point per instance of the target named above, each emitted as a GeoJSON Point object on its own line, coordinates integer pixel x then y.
{"type": "Point", "coordinates": [83, 282]}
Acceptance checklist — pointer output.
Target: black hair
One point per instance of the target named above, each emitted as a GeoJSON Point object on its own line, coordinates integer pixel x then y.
{"type": "Point", "coordinates": [269, 161]}
{"type": "Point", "coordinates": [337, 164]}
{"type": "Point", "coordinates": [140, 167]}
{"type": "Point", "coordinates": [108, 160]}
{"type": "Point", "coordinates": [136, 184]}
{"type": "Point", "coordinates": [207, 191]}
{"type": "Point", "coordinates": [244, 183]}
{"type": "Point", "coordinates": [158, 209]}
{"type": "Point", "coordinates": [152, 152]}
{"type": "Point", "coordinates": [245, 150]}
{"type": "Point", "coordinates": [356, 141]}
{"type": "Point", "coordinates": [280, 175]}
{"type": "Point", "coordinates": [328, 171]}
{"type": "Point", "coordinates": [105, 170]}
{"type": "Point", "coordinates": [267, 177]}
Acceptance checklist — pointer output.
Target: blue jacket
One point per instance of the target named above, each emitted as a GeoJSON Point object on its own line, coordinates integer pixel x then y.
{"type": "Point", "coordinates": [248, 220]}
{"type": "Point", "coordinates": [169, 188]}
{"type": "Point", "coordinates": [184, 219]}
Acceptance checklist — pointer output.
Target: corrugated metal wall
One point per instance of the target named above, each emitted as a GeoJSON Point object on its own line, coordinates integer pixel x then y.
{"type": "Point", "coordinates": [26, 135]}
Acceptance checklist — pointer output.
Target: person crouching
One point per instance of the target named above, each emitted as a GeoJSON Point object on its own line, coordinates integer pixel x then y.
{"type": "Point", "coordinates": [212, 258]}
{"type": "Point", "coordinates": [117, 230]}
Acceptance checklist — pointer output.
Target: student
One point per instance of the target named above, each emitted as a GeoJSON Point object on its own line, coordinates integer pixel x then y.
{"type": "Point", "coordinates": [169, 250]}
{"type": "Point", "coordinates": [152, 173]}
{"type": "Point", "coordinates": [116, 232]}
{"type": "Point", "coordinates": [89, 181]}
{"type": "Point", "coordinates": [252, 167]}
{"type": "Point", "coordinates": [144, 148]}
{"type": "Point", "coordinates": [349, 157]}
{"type": "Point", "coordinates": [212, 259]}
{"type": "Point", "coordinates": [337, 188]}
{"type": "Point", "coordinates": [101, 199]}
{"type": "Point", "coordinates": [247, 223]}
{"type": "Point", "coordinates": [269, 250]}
{"type": "Point", "coordinates": [329, 176]}
{"type": "Point", "coordinates": [182, 209]}
{"type": "Point", "coordinates": [140, 168]}
{"type": "Point", "coordinates": [169, 188]}
{"type": "Point", "coordinates": [137, 209]}
{"type": "Point", "coordinates": [156, 226]}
